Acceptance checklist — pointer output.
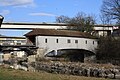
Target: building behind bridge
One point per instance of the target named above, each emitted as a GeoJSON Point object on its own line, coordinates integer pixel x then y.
{"type": "Point", "coordinates": [8, 41]}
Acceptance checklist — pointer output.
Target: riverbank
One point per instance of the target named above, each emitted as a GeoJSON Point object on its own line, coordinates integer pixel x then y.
{"type": "Point", "coordinates": [11, 74]}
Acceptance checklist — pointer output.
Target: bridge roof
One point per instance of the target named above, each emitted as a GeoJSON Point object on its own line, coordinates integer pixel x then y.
{"type": "Point", "coordinates": [63, 33]}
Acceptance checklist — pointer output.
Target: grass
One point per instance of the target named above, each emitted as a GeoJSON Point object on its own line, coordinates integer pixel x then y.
{"type": "Point", "coordinates": [10, 74]}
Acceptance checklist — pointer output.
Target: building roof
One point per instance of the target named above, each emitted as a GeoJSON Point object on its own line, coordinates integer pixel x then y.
{"type": "Point", "coordinates": [2, 36]}
{"type": "Point", "coordinates": [101, 25]}
{"type": "Point", "coordinates": [62, 33]}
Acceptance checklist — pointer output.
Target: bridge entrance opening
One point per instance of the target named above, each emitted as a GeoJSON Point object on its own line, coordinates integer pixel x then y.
{"type": "Point", "coordinates": [73, 55]}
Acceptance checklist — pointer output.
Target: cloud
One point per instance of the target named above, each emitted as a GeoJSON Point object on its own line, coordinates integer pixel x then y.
{"type": "Point", "coordinates": [5, 12]}
{"type": "Point", "coordinates": [76, 3]}
{"type": "Point", "coordinates": [42, 14]}
{"type": "Point", "coordinates": [16, 2]}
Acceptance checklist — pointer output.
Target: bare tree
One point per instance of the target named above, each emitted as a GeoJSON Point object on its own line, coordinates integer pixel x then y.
{"type": "Point", "coordinates": [108, 49]}
{"type": "Point", "coordinates": [81, 22]}
{"type": "Point", "coordinates": [89, 23]}
{"type": "Point", "coordinates": [77, 22]}
{"type": "Point", "coordinates": [105, 19]}
{"type": "Point", "coordinates": [111, 9]}
{"type": "Point", "coordinates": [62, 19]}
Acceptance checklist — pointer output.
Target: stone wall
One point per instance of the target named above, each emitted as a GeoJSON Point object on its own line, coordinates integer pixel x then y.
{"type": "Point", "coordinates": [80, 69]}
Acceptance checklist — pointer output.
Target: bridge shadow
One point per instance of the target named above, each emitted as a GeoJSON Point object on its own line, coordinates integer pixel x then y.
{"type": "Point", "coordinates": [71, 54]}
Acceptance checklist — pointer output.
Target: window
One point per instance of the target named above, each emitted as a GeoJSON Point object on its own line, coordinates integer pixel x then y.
{"type": "Point", "coordinates": [68, 41]}
{"type": "Point", "coordinates": [86, 41]}
{"type": "Point", "coordinates": [45, 40]}
{"type": "Point", "coordinates": [93, 42]}
{"type": "Point", "coordinates": [98, 42]}
{"type": "Point", "coordinates": [18, 43]}
{"type": "Point", "coordinates": [56, 40]}
{"type": "Point", "coordinates": [76, 41]}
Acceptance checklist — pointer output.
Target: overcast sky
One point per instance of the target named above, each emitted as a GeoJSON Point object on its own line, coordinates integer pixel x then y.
{"type": "Point", "coordinates": [46, 10]}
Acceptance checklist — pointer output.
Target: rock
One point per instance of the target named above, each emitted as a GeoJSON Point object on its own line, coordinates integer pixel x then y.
{"type": "Point", "coordinates": [80, 69]}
